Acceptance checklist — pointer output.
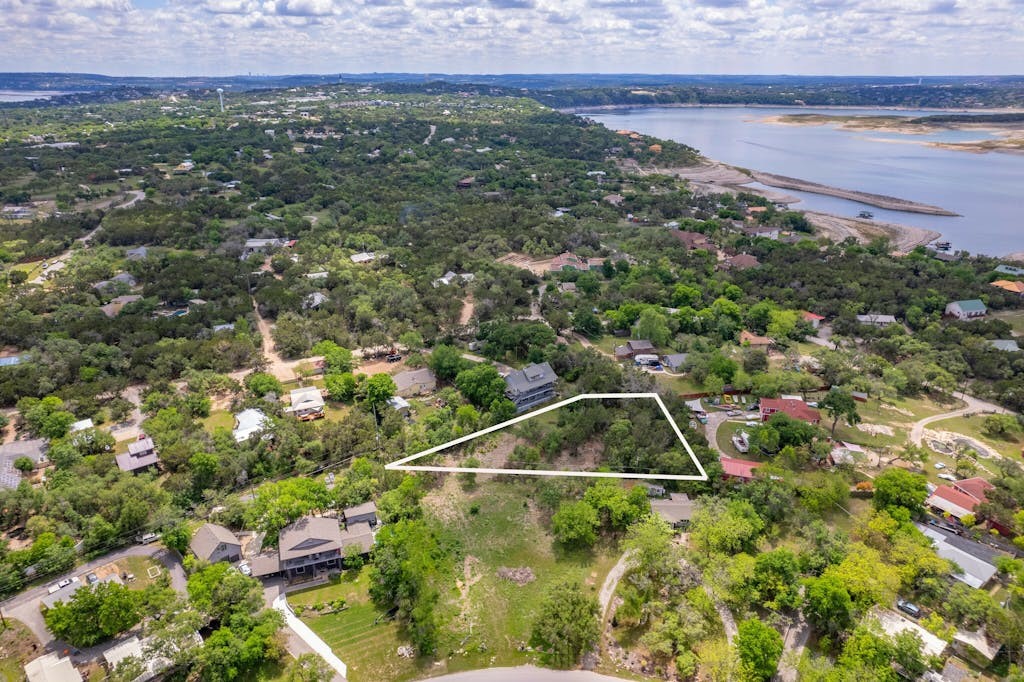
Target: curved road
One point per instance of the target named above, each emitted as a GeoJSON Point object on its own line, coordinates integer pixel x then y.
{"type": "Point", "coordinates": [974, 406]}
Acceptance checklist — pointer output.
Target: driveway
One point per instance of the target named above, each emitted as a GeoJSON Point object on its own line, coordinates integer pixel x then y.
{"type": "Point", "coordinates": [25, 606]}
{"type": "Point", "coordinates": [974, 406]}
{"type": "Point", "coordinates": [130, 428]}
{"type": "Point", "coordinates": [715, 419]}
{"type": "Point", "coordinates": [274, 598]}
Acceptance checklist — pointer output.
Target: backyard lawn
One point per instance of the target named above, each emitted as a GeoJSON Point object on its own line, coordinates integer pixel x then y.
{"type": "Point", "coordinates": [219, 419]}
{"type": "Point", "coordinates": [486, 618]}
{"type": "Point", "coordinates": [18, 646]}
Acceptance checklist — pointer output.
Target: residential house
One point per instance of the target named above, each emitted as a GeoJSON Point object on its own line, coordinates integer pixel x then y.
{"type": "Point", "coordinates": [975, 560]}
{"type": "Point", "coordinates": [35, 449]}
{"type": "Point", "coordinates": [466, 183]}
{"type": "Point", "coordinates": [960, 498]}
{"type": "Point", "coordinates": [415, 382]}
{"type": "Point", "coordinates": [263, 245]}
{"type": "Point", "coordinates": [875, 320]}
{"type": "Point", "coordinates": [812, 319]}
{"type": "Point", "coordinates": [307, 403]}
{"type": "Point", "coordinates": [754, 341]}
{"type": "Point", "coordinates": [568, 261]}
{"type": "Point", "coordinates": [633, 348]}
{"type": "Point", "coordinates": [567, 287]}
{"type": "Point", "coordinates": [357, 535]}
{"type": "Point", "coordinates": [614, 199]}
{"type": "Point", "coordinates": [361, 513]}
{"type": "Point", "coordinates": [51, 668]}
{"type": "Point", "coordinates": [845, 454]}
{"type": "Point", "coordinates": [794, 407]}
{"type": "Point", "coordinates": [314, 300]}
{"type": "Point", "coordinates": [743, 261]}
{"type": "Point", "coordinates": [531, 386]}
{"type": "Point", "coordinates": [81, 425]}
{"type": "Point", "coordinates": [309, 546]}
{"type": "Point", "coordinates": [966, 310]}
{"type": "Point", "coordinates": [322, 274]}
{"type": "Point", "coordinates": [133, 647]}
{"type": "Point", "coordinates": [977, 647]}
{"type": "Point", "coordinates": [675, 361]}
{"type": "Point", "coordinates": [740, 469]}
{"type": "Point", "coordinates": [363, 257]}
{"type": "Point", "coordinates": [677, 510]}
{"type": "Point", "coordinates": [141, 456]}
{"type": "Point", "coordinates": [139, 253]}
{"type": "Point", "coordinates": [215, 543]}
{"type": "Point", "coordinates": [450, 277]}
{"type": "Point", "coordinates": [400, 405]}
{"type": "Point", "coordinates": [893, 623]}
{"type": "Point", "coordinates": [117, 304]}
{"type": "Point", "coordinates": [761, 231]}
{"type": "Point", "coordinates": [1012, 287]}
{"type": "Point", "coordinates": [122, 278]}
{"type": "Point", "coordinates": [1005, 345]}
{"type": "Point", "coordinates": [1011, 270]}
{"type": "Point", "coordinates": [693, 240]}
{"type": "Point", "coordinates": [249, 422]}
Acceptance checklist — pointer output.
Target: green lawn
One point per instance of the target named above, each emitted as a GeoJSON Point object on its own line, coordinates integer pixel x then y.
{"type": "Point", "coordinates": [488, 618]}
{"type": "Point", "coordinates": [1015, 318]}
{"type": "Point", "coordinates": [728, 429]}
{"type": "Point", "coordinates": [138, 566]}
{"type": "Point", "coordinates": [219, 419]}
{"type": "Point", "coordinates": [973, 426]}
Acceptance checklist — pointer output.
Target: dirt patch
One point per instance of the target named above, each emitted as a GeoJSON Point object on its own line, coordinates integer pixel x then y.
{"type": "Point", "coordinates": [442, 503]}
{"type": "Point", "coordinates": [537, 266]}
{"type": "Point", "coordinates": [587, 458]}
{"type": "Point", "coordinates": [468, 309]}
{"type": "Point", "coordinates": [876, 429]}
{"type": "Point", "coordinates": [381, 367]}
{"type": "Point", "coordinates": [18, 643]}
{"type": "Point", "coordinates": [497, 456]}
{"type": "Point", "coordinates": [517, 576]}
{"type": "Point", "coordinates": [898, 410]}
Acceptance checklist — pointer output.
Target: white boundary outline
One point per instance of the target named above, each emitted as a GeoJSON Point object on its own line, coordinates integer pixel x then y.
{"type": "Point", "coordinates": [402, 464]}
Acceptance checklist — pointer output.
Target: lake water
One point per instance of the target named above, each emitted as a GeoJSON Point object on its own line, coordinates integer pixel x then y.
{"type": "Point", "coordinates": [27, 95]}
{"type": "Point", "coordinates": [987, 190]}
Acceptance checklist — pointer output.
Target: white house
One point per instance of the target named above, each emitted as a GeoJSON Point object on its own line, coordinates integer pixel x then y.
{"type": "Point", "coordinates": [966, 310]}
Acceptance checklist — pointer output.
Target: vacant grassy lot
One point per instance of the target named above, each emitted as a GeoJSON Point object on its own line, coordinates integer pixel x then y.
{"type": "Point", "coordinates": [1015, 318]}
{"type": "Point", "coordinates": [219, 419]}
{"type": "Point", "coordinates": [18, 646]}
{"type": "Point", "coordinates": [486, 618]}
{"type": "Point", "coordinates": [973, 426]}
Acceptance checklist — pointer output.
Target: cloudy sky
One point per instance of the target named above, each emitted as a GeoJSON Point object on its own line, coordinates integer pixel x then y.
{"type": "Point", "coordinates": [215, 37]}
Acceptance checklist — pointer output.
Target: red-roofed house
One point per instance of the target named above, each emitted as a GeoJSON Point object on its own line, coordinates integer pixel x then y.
{"type": "Point", "coordinates": [797, 409]}
{"type": "Point", "coordinates": [961, 497]}
{"type": "Point", "coordinates": [692, 240]}
{"type": "Point", "coordinates": [743, 261]}
{"type": "Point", "coordinates": [815, 320]}
{"type": "Point", "coordinates": [742, 469]}
{"type": "Point", "coordinates": [947, 499]}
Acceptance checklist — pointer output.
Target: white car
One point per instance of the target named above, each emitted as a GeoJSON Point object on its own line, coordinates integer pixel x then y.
{"type": "Point", "coordinates": [940, 465]}
{"type": "Point", "coordinates": [244, 568]}
{"type": "Point", "coordinates": [947, 477]}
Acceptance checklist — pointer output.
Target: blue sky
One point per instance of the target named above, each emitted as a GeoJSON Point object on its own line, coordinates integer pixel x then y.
{"type": "Point", "coordinates": [212, 37]}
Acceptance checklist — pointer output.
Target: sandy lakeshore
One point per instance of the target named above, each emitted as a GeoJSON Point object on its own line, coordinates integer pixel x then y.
{"type": "Point", "coordinates": [713, 177]}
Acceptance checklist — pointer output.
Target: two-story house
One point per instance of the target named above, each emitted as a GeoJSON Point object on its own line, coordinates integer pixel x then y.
{"type": "Point", "coordinates": [531, 386]}
{"type": "Point", "coordinates": [215, 543]}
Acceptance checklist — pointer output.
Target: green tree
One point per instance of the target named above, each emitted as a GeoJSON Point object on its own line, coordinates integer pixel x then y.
{"type": "Point", "coordinates": [1000, 425]}
{"type": "Point", "coordinates": [94, 614]}
{"type": "Point", "coordinates": [839, 404]}
{"type": "Point", "coordinates": [653, 326]}
{"type": "Point", "coordinates": [220, 592]}
{"type": "Point", "coordinates": [566, 625]}
{"type": "Point", "coordinates": [649, 540]}
{"type": "Point", "coordinates": [337, 360]}
{"type": "Point", "coordinates": [759, 647]}
{"type": "Point", "coordinates": [447, 362]}
{"type": "Point", "coordinates": [178, 537]}
{"type": "Point", "coordinates": [725, 527]}
{"type": "Point", "coordinates": [481, 384]}
{"type": "Point", "coordinates": [341, 387]}
{"type": "Point", "coordinates": [379, 389]}
{"type": "Point", "coordinates": [900, 488]}
{"type": "Point", "coordinates": [828, 605]}
{"type": "Point", "coordinates": [575, 524]}
{"type": "Point", "coordinates": [308, 668]}
{"type": "Point", "coordinates": [261, 383]}
{"type": "Point", "coordinates": [24, 464]}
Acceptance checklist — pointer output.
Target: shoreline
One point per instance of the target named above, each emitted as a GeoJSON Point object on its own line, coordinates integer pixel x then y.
{"type": "Point", "coordinates": [598, 108]}
{"type": "Point", "coordinates": [876, 200]}
{"type": "Point", "coordinates": [715, 177]}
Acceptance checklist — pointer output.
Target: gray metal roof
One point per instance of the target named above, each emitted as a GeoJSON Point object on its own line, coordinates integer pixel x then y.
{"type": "Point", "coordinates": [530, 378]}
{"type": "Point", "coordinates": [1008, 345]}
{"type": "Point", "coordinates": [209, 537]}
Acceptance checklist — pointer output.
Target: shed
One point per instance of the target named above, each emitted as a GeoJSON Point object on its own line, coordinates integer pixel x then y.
{"type": "Point", "coordinates": [361, 513]}
{"type": "Point", "coordinates": [51, 668]}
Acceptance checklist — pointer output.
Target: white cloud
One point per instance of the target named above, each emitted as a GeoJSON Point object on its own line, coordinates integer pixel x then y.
{"type": "Point", "coordinates": [683, 36]}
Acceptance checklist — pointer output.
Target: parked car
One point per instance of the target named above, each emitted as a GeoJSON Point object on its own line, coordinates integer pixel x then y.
{"type": "Point", "coordinates": [91, 578]}
{"type": "Point", "coordinates": [147, 538]}
{"type": "Point", "coordinates": [394, 357]}
{"type": "Point", "coordinates": [947, 477]}
{"type": "Point", "coordinates": [63, 583]}
{"type": "Point", "coordinates": [244, 568]}
{"type": "Point", "coordinates": [734, 413]}
{"type": "Point", "coordinates": [940, 465]}
{"type": "Point", "coordinates": [908, 608]}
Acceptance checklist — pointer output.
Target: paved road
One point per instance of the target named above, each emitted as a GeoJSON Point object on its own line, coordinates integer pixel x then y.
{"type": "Point", "coordinates": [793, 649]}
{"type": "Point", "coordinates": [525, 673]}
{"type": "Point", "coordinates": [974, 406]}
{"type": "Point", "coordinates": [25, 606]}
